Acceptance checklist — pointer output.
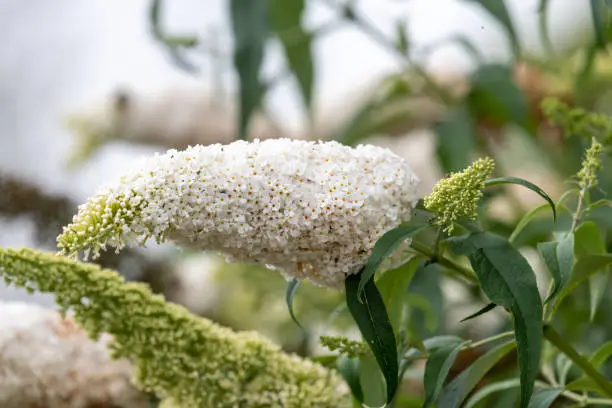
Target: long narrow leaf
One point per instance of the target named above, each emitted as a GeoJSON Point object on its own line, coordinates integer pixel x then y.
{"type": "Point", "coordinates": [458, 389]}
{"type": "Point", "coordinates": [371, 317]}
{"type": "Point", "coordinates": [292, 287]}
{"type": "Point", "coordinates": [296, 42]}
{"type": "Point", "coordinates": [527, 184]}
{"type": "Point", "coordinates": [498, 9]}
{"type": "Point", "coordinates": [249, 21]}
{"type": "Point", "coordinates": [438, 365]}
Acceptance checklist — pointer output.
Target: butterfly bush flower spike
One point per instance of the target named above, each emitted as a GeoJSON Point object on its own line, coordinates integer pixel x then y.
{"type": "Point", "coordinates": [457, 196]}
{"type": "Point", "coordinates": [308, 209]}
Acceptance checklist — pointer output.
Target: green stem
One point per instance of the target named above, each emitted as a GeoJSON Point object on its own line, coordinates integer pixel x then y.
{"type": "Point", "coordinates": [560, 343]}
{"type": "Point", "coordinates": [448, 263]}
{"type": "Point", "coordinates": [492, 339]}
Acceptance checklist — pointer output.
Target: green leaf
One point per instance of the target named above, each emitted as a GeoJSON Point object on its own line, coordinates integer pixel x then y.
{"type": "Point", "coordinates": [459, 388]}
{"type": "Point", "coordinates": [456, 140]}
{"type": "Point", "coordinates": [427, 300]}
{"type": "Point", "coordinates": [401, 42]}
{"type": "Point", "coordinates": [548, 252]}
{"type": "Point", "coordinates": [584, 268]}
{"type": "Point", "coordinates": [292, 287]}
{"type": "Point", "coordinates": [438, 365]}
{"type": "Point", "coordinates": [249, 21]}
{"type": "Point", "coordinates": [589, 241]}
{"type": "Point", "coordinates": [524, 183]}
{"type": "Point", "coordinates": [372, 382]}
{"type": "Point", "coordinates": [527, 218]}
{"type": "Point", "coordinates": [496, 98]}
{"type": "Point", "coordinates": [600, 12]}
{"type": "Point", "coordinates": [286, 19]}
{"type": "Point", "coordinates": [498, 9]}
{"type": "Point", "coordinates": [482, 311]}
{"type": "Point", "coordinates": [349, 369]}
{"type": "Point", "coordinates": [508, 280]}
{"type": "Point", "coordinates": [543, 27]}
{"type": "Point", "coordinates": [368, 311]}
{"type": "Point", "coordinates": [393, 286]}
{"type": "Point", "coordinates": [597, 359]}
{"type": "Point", "coordinates": [489, 389]}
{"type": "Point", "coordinates": [385, 247]}
{"type": "Point", "coordinates": [544, 398]}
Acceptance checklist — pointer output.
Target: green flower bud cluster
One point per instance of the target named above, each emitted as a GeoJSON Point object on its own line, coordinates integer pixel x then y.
{"type": "Point", "coordinates": [343, 345]}
{"type": "Point", "coordinates": [183, 358]}
{"type": "Point", "coordinates": [577, 121]}
{"type": "Point", "coordinates": [587, 176]}
{"type": "Point", "coordinates": [457, 196]}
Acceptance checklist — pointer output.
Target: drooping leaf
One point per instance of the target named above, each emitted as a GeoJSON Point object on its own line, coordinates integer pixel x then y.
{"type": "Point", "coordinates": [286, 19]}
{"type": "Point", "coordinates": [497, 8]}
{"type": "Point", "coordinates": [292, 287]}
{"type": "Point", "coordinates": [480, 312]}
{"type": "Point", "coordinates": [349, 369]}
{"type": "Point", "coordinates": [249, 22]}
{"type": "Point", "coordinates": [458, 389]}
{"type": "Point", "coordinates": [368, 311]}
{"type": "Point", "coordinates": [544, 398]}
{"type": "Point", "coordinates": [489, 389]}
{"type": "Point", "coordinates": [508, 280]}
{"type": "Point", "coordinates": [566, 259]}
{"type": "Point", "coordinates": [372, 382]}
{"type": "Point", "coordinates": [524, 183]}
{"type": "Point", "coordinates": [385, 247]}
{"type": "Point", "coordinates": [543, 26]}
{"type": "Point", "coordinates": [438, 365]}
{"type": "Point", "coordinates": [496, 98]}
{"type": "Point", "coordinates": [456, 140]}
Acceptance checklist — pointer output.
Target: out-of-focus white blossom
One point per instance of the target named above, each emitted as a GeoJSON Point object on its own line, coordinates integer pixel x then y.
{"type": "Point", "coordinates": [309, 209]}
{"type": "Point", "coordinates": [47, 361]}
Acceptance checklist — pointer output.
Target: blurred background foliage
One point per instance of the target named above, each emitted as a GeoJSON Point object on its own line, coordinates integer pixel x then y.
{"type": "Point", "coordinates": [440, 120]}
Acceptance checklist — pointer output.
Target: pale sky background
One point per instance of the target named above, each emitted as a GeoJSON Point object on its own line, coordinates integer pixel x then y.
{"type": "Point", "coordinates": [60, 55]}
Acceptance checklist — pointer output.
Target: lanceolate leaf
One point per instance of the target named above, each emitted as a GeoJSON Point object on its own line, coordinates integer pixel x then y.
{"type": "Point", "coordinates": [292, 287]}
{"type": "Point", "coordinates": [383, 248]}
{"type": "Point", "coordinates": [393, 287]}
{"type": "Point", "coordinates": [508, 281]}
{"type": "Point", "coordinates": [498, 9]}
{"type": "Point", "coordinates": [545, 398]}
{"type": "Point", "coordinates": [286, 19]}
{"type": "Point", "coordinates": [371, 317]}
{"type": "Point", "coordinates": [249, 21]}
{"type": "Point", "coordinates": [349, 369]}
{"type": "Point", "coordinates": [458, 389]}
{"type": "Point", "coordinates": [548, 252]}
{"type": "Point", "coordinates": [438, 364]}
{"type": "Point", "coordinates": [527, 184]}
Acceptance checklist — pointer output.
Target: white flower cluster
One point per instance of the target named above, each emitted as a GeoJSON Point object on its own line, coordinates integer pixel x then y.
{"type": "Point", "coordinates": [47, 361]}
{"type": "Point", "coordinates": [309, 209]}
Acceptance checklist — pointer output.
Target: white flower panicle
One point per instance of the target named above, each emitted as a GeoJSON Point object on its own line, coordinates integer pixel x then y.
{"type": "Point", "coordinates": [309, 209]}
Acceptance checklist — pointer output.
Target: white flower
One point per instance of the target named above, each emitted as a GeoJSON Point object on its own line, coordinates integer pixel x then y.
{"type": "Point", "coordinates": [48, 361]}
{"type": "Point", "coordinates": [309, 209]}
